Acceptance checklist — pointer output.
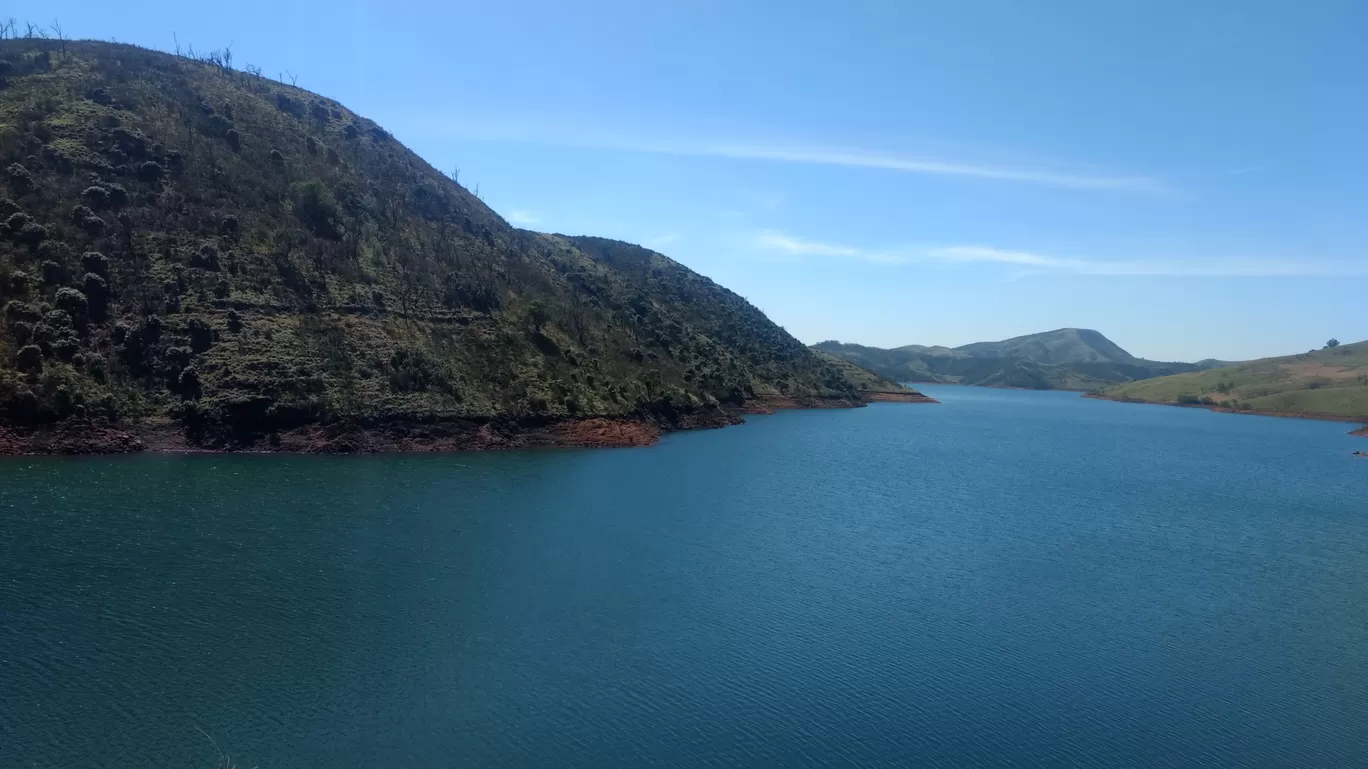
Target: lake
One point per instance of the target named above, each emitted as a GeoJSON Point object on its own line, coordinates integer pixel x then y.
{"type": "Point", "coordinates": [1008, 579]}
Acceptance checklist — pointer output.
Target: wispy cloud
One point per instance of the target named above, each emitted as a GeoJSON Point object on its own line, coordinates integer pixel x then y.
{"type": "Point", "coordinates": [781, 151]}
{"type": "Point", "coordinates": [1025, 263]}
{"type": "Point", "coordinates": [855, 158]}
{"type": "Point", "coordinates": [520, 217]}
{"type": "Point", "coordinates": [793, 246]}
{"type": "Point", "coordinates": [665, 240]}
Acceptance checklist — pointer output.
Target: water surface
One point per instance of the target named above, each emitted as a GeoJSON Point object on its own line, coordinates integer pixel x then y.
{"type": "Point", "coordinates": [1008, 579]}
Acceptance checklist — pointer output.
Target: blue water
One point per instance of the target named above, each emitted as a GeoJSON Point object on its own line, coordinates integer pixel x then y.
{"type": "Point", "coordinates": [1008, 579]}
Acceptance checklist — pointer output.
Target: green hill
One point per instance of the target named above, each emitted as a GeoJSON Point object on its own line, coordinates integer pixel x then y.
{"type": "Point", "coordinates": [192, 250]}
{"type": "Point", "coordinates": [1331, 383]}
{"type": "Point", "coordinates": [1065, 359]}
{"type": "Point", "coordinates": [1065, 345]}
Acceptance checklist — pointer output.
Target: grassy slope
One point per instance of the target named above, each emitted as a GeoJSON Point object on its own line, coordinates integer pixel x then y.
{"type": "Point", "coordinates": [1329, 382]}
{"type": "Point", "coordinates": [265, 258]}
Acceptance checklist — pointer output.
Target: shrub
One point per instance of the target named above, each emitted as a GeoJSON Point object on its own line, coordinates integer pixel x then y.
{"type": "Point", "coordinates": [201, 335]}
{"type": "Point", "coordinates": [277, 159]}
{"type": "Point", "coordinates": [8, 207]}
{"type": "Point", "coordinates": [219, 125]}
{"type": "Point", "coordinates": [53, 273]}
{"type": "Point", "coordinates": [188, 384]}
{"type": "Point", "coordinates": [537, 315]}
{"type": "Point", "coordinates": [29, 358]}
{"type": "Point", "coordinates": [229, 226]}
{"type": "Point", "coordinates": [96, 197]}
{"type": "Point", "coordinates": [15, 223]}
{"type": "Point", "coordinates": [206, 258]}
{"type": "Point", "coordinates": [290, 105]}
{"type": "Point", "coordinates": [65, 348]}
{"type": "Point", "coordinates": [32, 234]}
{"type": "Point", "coordinates": [1332, 343]}
{"type": "Point", "coordinates": [58, 319]}
{"type": "Point", "coordinates": [151, 171]}
{"type": "Point", "coordinates": [16, 310]}
{"type": "Point", "coordinates": [97, 292]}
{"type": "Point", "coordinates": [74, 302]}
{"type": "Point", "coordinates": [93, 225]}
{"type": "Point", "coordinates": [222, 289]}
{"type": "Point", "coordinates": [351, 131]}
{"type": "Point", "coordinates": [233, 138]}
{"type": "Point", "coordinates": [317, 209]}
{"type": "Point", "coordinates": [234, 321]}
{"type": "Point", "coordinates": [118, 196]}
{"type": "Point", "coordinates": [96, 262]}
{"type": "Point", "coordinates": [19, 283]}
{"type": "Point", "coordinates": [20, 180]}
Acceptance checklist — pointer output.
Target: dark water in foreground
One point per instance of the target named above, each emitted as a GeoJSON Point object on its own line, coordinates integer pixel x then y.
{"type": "Point", "coordinates": [1006, 580]}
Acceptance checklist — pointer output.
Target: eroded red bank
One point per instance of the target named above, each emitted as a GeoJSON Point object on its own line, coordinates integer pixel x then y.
{"type": "Point", "coordinates": [458, 435]}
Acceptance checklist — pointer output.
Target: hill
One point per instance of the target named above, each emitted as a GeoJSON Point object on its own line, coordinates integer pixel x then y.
{"type": "Point", "coordinates": [1065, 359]}
{"type": "Point", "coordinates": [200, 256]}
{"type": "Point", "coordinates": [1065, 345]}
{"type": "Point", "coordinates": [1331, 383]}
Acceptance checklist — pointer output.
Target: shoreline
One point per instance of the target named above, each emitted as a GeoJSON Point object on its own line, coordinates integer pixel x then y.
{"type": "Point", "coordinates": [91, 438]}
{"type": "Point", "coordinates": [1314, 415]}
{"type": "Point", "coordinates": [1001, 387]}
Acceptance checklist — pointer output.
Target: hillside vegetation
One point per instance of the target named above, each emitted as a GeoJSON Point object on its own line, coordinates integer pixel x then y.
{"type": "Point", "coordinates": [187, 245]}
{"type": "Point", "coordinates": [1332, 382]}
{"type": "Point", "coordinates": [1065, 359]}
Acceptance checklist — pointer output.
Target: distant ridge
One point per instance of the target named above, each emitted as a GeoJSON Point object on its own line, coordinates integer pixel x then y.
{"type": "Point", "coordinates": [1063, 359]}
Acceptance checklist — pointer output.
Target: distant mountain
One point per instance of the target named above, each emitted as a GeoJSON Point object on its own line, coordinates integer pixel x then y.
{"type": "Point", "coordinates": [1064, 359]}
{"type": "Point", "coordinates": [1065, 345]}
{"type": "Point", "coordinates": [1332, 382]}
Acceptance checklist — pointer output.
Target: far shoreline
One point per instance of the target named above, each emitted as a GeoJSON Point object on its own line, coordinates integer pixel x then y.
{"type": "Point", "coordinates": [1312, 415]}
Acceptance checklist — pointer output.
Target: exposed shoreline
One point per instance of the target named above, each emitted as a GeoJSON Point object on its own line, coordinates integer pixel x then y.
{"type": "Point", "coordinates": [1316, 415]}
{"type": "Point", "coordinates": [91, 438]}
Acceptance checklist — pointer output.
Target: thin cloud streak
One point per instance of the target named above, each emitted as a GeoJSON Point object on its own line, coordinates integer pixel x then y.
{"type": "Point", "coordinates": [930, 166]}
{"type": "Point", "coordinates": [782, 152]}
{"type": "Point", "coordinates": [522, 217]}
{"type": "Point", "coordinates": [1027, 263]}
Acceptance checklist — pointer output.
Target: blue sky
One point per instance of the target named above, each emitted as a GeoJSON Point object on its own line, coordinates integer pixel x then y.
{"type": "Point", "coordinates": [1191, 179]}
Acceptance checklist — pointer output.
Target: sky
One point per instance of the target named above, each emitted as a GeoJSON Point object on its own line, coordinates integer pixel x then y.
{"type": "Point", "coordinates": [1190, 179]}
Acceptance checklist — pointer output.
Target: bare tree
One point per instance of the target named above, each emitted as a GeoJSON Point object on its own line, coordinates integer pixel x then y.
{"type": "Point", "coordinates": [57, 32]}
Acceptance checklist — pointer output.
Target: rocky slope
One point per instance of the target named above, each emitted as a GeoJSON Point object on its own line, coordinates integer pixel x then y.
{"type": "Point", "coordinates": [193, 256]}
